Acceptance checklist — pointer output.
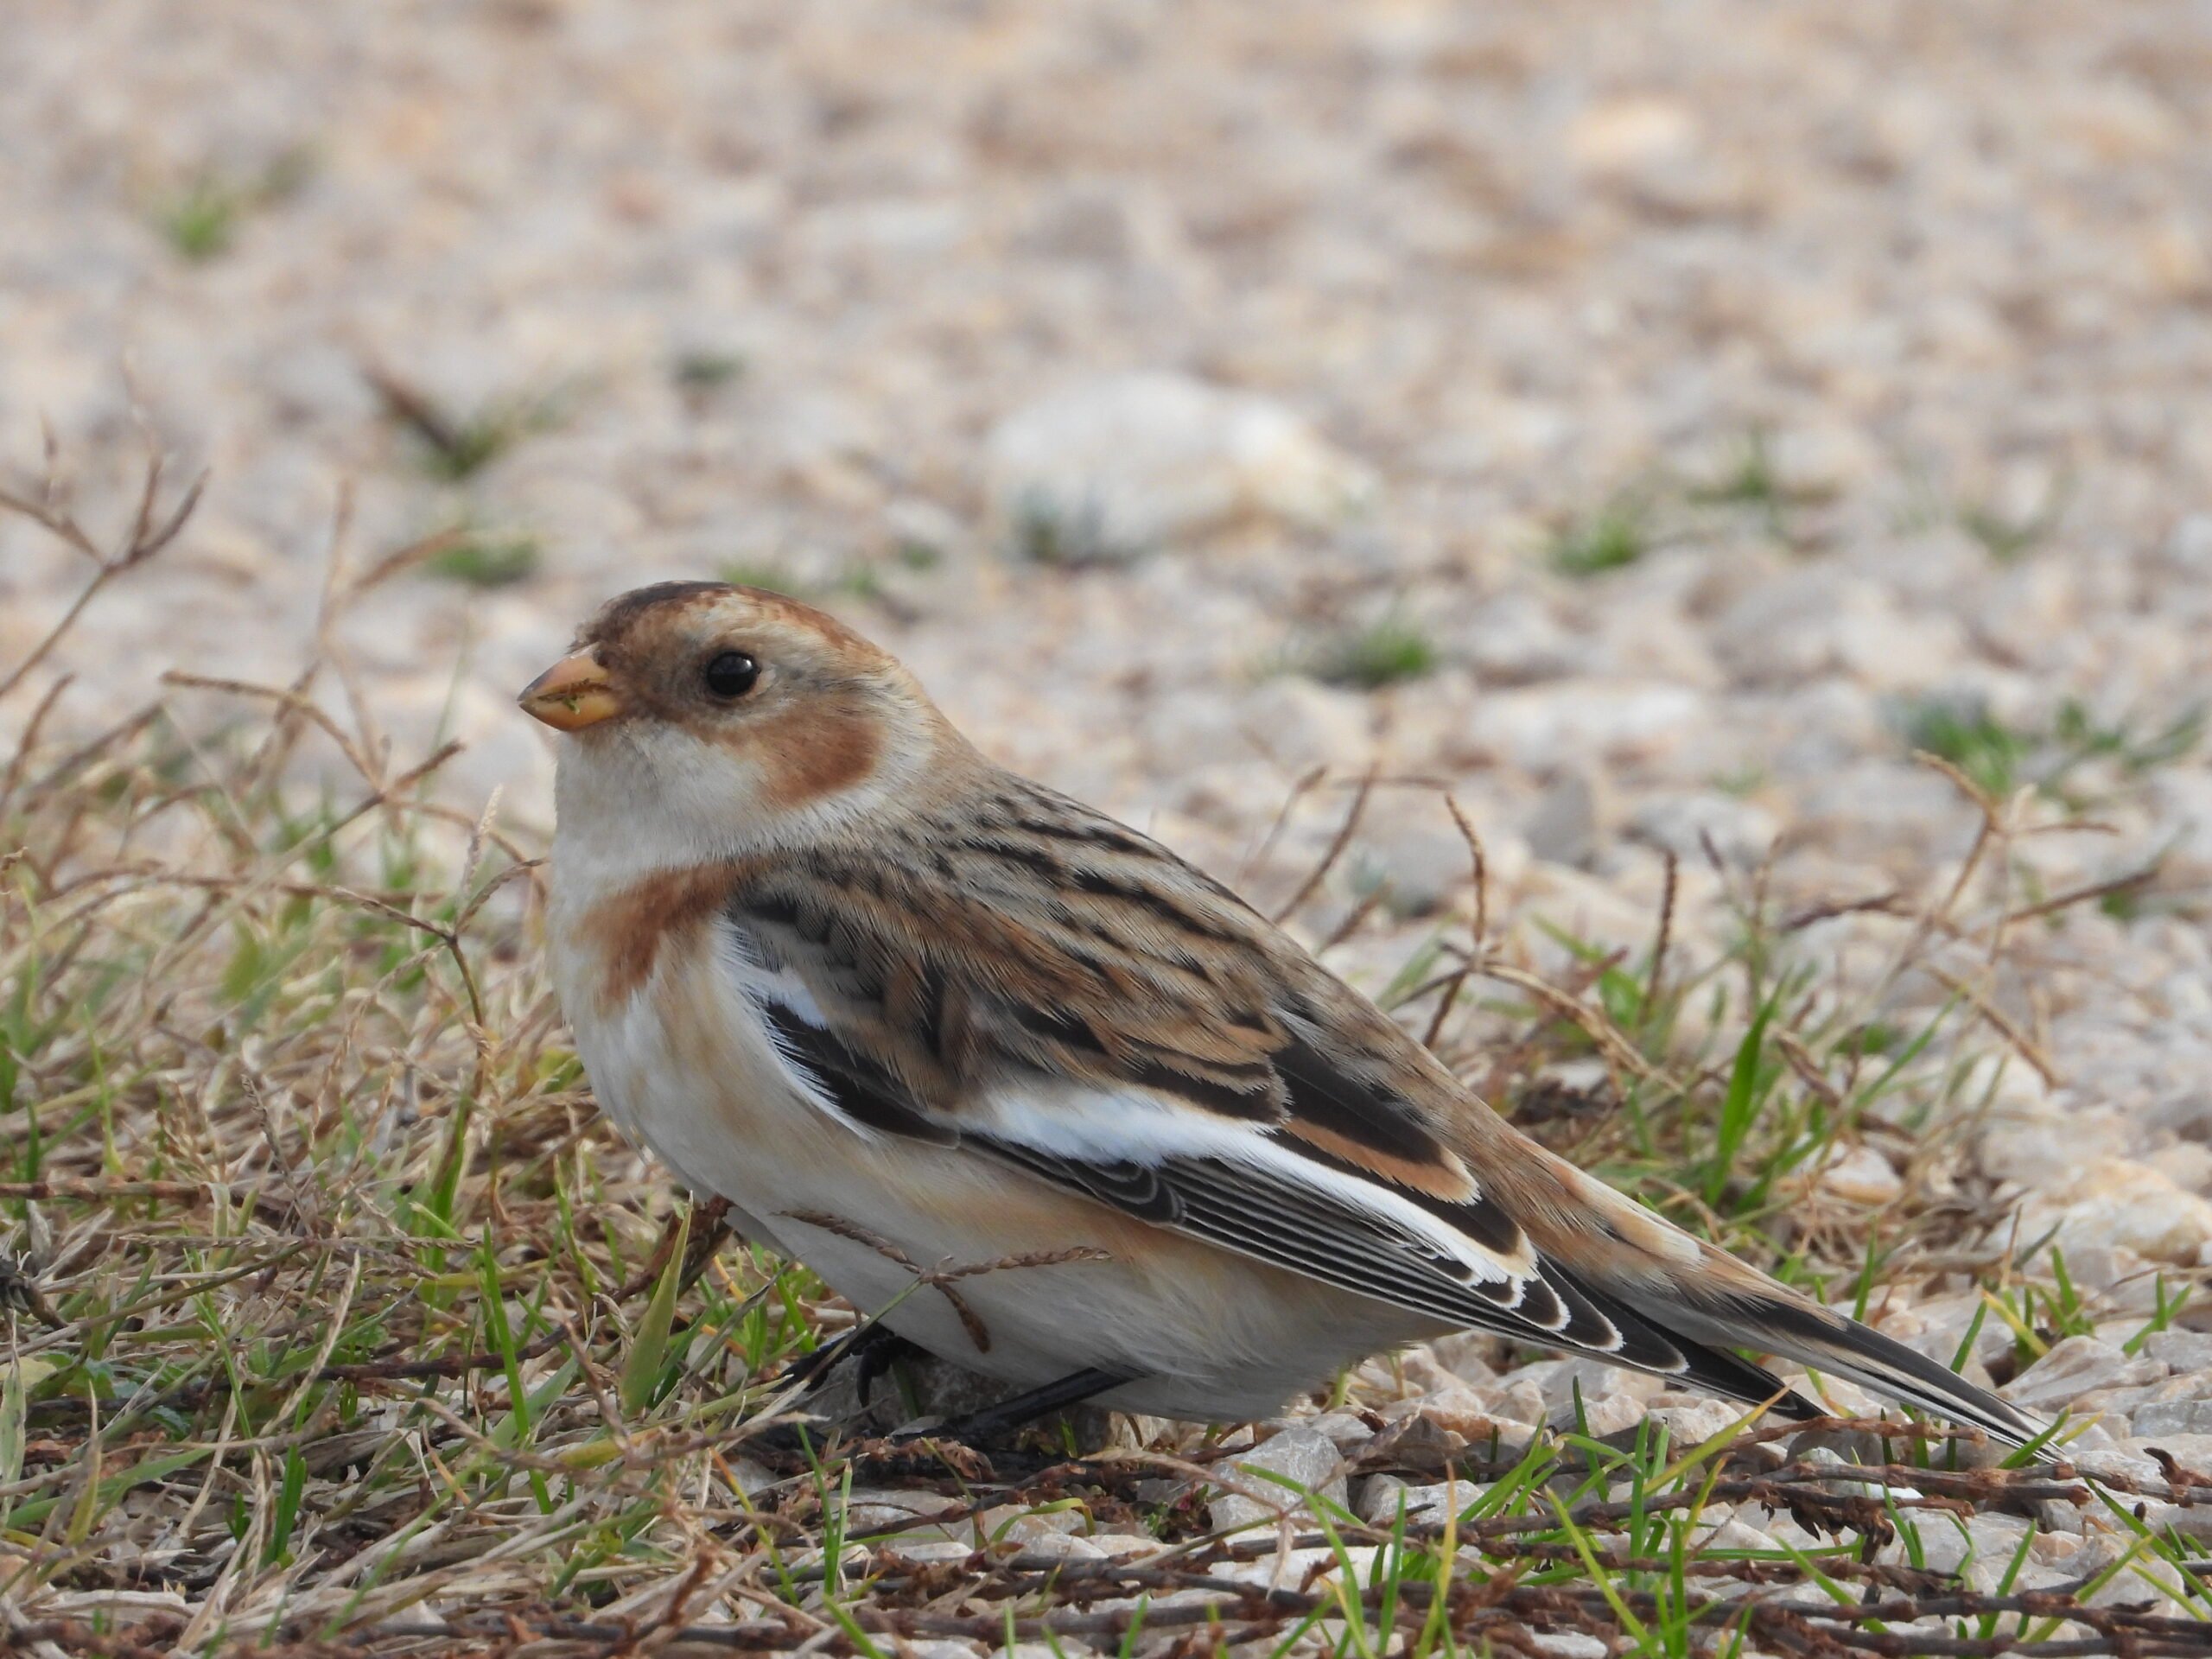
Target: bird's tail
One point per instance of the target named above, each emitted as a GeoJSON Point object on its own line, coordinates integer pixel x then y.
{"type": "Point", "coordinates": [1706, 1333]}
{"type": "Point", "coordinates": [1705, 1325]}
{"type": "Point", "coordinates": [1780, 1322]}
{"type": "Point", "coordinates": [1645, 1272]}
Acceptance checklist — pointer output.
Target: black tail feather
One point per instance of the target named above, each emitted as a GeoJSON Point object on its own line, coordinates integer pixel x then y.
{"type": "Point", "coordinates": [1704, 1336]}
{"type": "Point", "coordinates": [1714, 1369]}
{"type": "Point", "coordinates": [1831, 1342]}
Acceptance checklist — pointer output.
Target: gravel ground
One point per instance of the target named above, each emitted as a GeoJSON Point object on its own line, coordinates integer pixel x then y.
{"type": "Point", "coordinates": [1687, 412]}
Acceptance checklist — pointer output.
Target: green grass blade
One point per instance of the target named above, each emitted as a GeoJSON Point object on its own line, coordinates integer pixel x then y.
{"type": "Point", "coordinates": [641, 1369]}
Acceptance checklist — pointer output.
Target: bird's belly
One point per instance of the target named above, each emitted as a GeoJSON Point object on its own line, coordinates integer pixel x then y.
{"type": "Point", "coordinates": [984, 1265]}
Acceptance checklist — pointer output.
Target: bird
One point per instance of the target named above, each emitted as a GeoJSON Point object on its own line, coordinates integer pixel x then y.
{"type": "Point", "coordinates": [1038, 1096]}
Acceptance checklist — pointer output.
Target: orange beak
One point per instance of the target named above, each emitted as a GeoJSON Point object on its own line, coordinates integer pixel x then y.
{"type": "Point", "coordinates": [571, 694]}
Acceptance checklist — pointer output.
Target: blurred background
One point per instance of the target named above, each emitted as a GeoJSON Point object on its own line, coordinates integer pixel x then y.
{"type": "Point", "coordinates": [1655, 422]}
{"type": "Point", "coordinates": [1750, 462]}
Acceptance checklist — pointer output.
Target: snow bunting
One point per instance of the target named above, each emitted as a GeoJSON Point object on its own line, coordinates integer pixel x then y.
{"type": "Point", "coordinates": [905, 1010]}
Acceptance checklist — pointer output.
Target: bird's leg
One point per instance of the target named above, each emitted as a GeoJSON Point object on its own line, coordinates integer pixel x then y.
{"type": "Point", "coordinates": [875, 1350]}
{"type": "Point", "coordinates": [710, 1227]}
{"type": "Point", "coordinates": [979, 1427]}
{"type": "Point", "coordinates": [875, 1346]}
{"type": "Point", "coordinates": [710, 1230]}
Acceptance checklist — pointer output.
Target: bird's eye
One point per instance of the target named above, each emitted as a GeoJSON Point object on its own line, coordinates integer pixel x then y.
{"type": "Point", "coordinates": [731, 674]}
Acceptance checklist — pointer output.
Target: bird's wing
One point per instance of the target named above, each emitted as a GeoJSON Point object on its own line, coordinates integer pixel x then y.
{"type": "Point", "coordinates": [1063, 996]}
{"type": "Point", "coordinates": [1037, 984]}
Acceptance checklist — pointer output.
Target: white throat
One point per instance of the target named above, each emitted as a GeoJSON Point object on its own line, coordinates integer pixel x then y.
{"type": "Point", "coordinates": [625, 811]}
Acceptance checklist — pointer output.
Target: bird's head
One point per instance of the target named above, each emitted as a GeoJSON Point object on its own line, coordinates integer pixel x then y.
{"type": "Point", "coordinates": [704, 721]}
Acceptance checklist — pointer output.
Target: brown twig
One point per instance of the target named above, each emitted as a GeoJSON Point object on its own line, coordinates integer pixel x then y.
{"type": "Point", "coordinates": [1479, 930]}
{"type": "Point", "coordinates": [148, 536]}
{"type": "Point", "coordinates": [1666, 928]}
{"type": "Point", "coordinates": [1319, 873]}
{"type": "Point", "coordinates": [942, 1279]}
{"type": "Point", "coordinates": [1999, 1022]}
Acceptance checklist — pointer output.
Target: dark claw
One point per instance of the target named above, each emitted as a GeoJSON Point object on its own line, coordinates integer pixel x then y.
{"type": "Point", "coordinates": [874, 1353]}
{"type": "Point", "coordinates": [876, 1349]}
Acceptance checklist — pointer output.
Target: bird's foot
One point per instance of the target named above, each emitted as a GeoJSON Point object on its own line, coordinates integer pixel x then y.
{"type": "Point", "coordinates": [873, 1347]}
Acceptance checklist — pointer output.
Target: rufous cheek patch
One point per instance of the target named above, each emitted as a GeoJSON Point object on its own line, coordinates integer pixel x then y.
{"type": "Point", "coordinates": [809, 755]}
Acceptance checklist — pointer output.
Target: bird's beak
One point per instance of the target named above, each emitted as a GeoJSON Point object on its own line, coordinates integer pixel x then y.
{"type": "Point", "coordinates": [571, 694]}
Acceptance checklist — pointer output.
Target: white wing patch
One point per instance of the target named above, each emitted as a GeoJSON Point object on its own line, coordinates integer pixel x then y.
{"type": "Point", "coordinates": [1083, 1125]}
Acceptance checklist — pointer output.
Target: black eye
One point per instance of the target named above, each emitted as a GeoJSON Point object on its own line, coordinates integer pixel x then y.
{"type": "Point", "coordinates": [731, 674]}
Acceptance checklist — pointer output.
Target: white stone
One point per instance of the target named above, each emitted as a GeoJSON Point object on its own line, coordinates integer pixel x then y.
{"type": "Point", "coordinates": [1839, 1395]}
{"type": "Point", "coordinates": [1734, 1532]}
{"type": "Point", "coordinates": [2185, 1350]}
{"type": "Point", "coordinates": [1561, 1379]}
{"type": "Point", "coordinates": [1347, 1431]}
{"type": "Point", "coordinates": [1464, 1355]}
{"type": "Point", "coordinates": [1741, 831]}
{"type": "Point", "coordinates": [752, 1478]}
{"type": "Point", "coordinates": [1632, 134]}
{"type": "Point", "coordinates": [1869, 807]}
{"type": "Point", "coordinates": [2192, 1452]}
{"type": "Point", "coordinates": [1479, 1415]}
{"type": "Point", "coordinates": [1297, 1454]}
{"type": "Point", "coordinates": [2189, 547]}
{"type": "Point", "coordinates": [1380, 1501]}
{"type": "Point", "coordinates": [2183, 799]}
{"type": "Point", "coordinates": [1513, 640]}
{"type": "Point", "coordinates": [1860, 1174]}
{"type": "Point", "coordinates": [1540, 727]}
{"type": "Point", "coordinates": [1421, 866]}
{"type": "Point", "coordinates": [1118, 465]}
{"type": "Point", "coordinates": [1945, 1543]}
{"type": "Point", "coordinates": [1062, 1546]}
{"type": "Point", "coordinates": [908, 1547]}
{"type": "Point", "coordinates": [1696, 1422]}
{"type": "Point", "coordinates": [2191, 1521]}
{"type": "Point", "coordinates": [1993, 1541]}
{"type": "Point", "coordinates": [2074, 1367]}
{"type": "Point", "coordinates": [1120, 1546]}
{"type": "Point", "coordinates": [2041, 1143]}
{"type": "Point", "coordinates": [1564, 827]}
{"type": "Point", "coordinates": [1375, 1499]}
{"type": "Point", "coordinates": [1821, 619]}
{"type": "Point", "coordinates": [2117, 1463]}
{"type": "Point", "coordinates": [1278, 1567]}
{"type": "Point", "coordinates": [1612, 1414]}
{"type": "Point", "coordinates": [1253, 745]}
{"type": "Point", "coordinates": [1938, 1327]}
{"type": "Point", "coordinates": [870, 1511]}
{"type": "Point", "coordinates": [2117, 1203]}
{"type": "Point", "coordinates": [1025, 1525]}
{"type": "Point", "coordinates": [2172, 1417]}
